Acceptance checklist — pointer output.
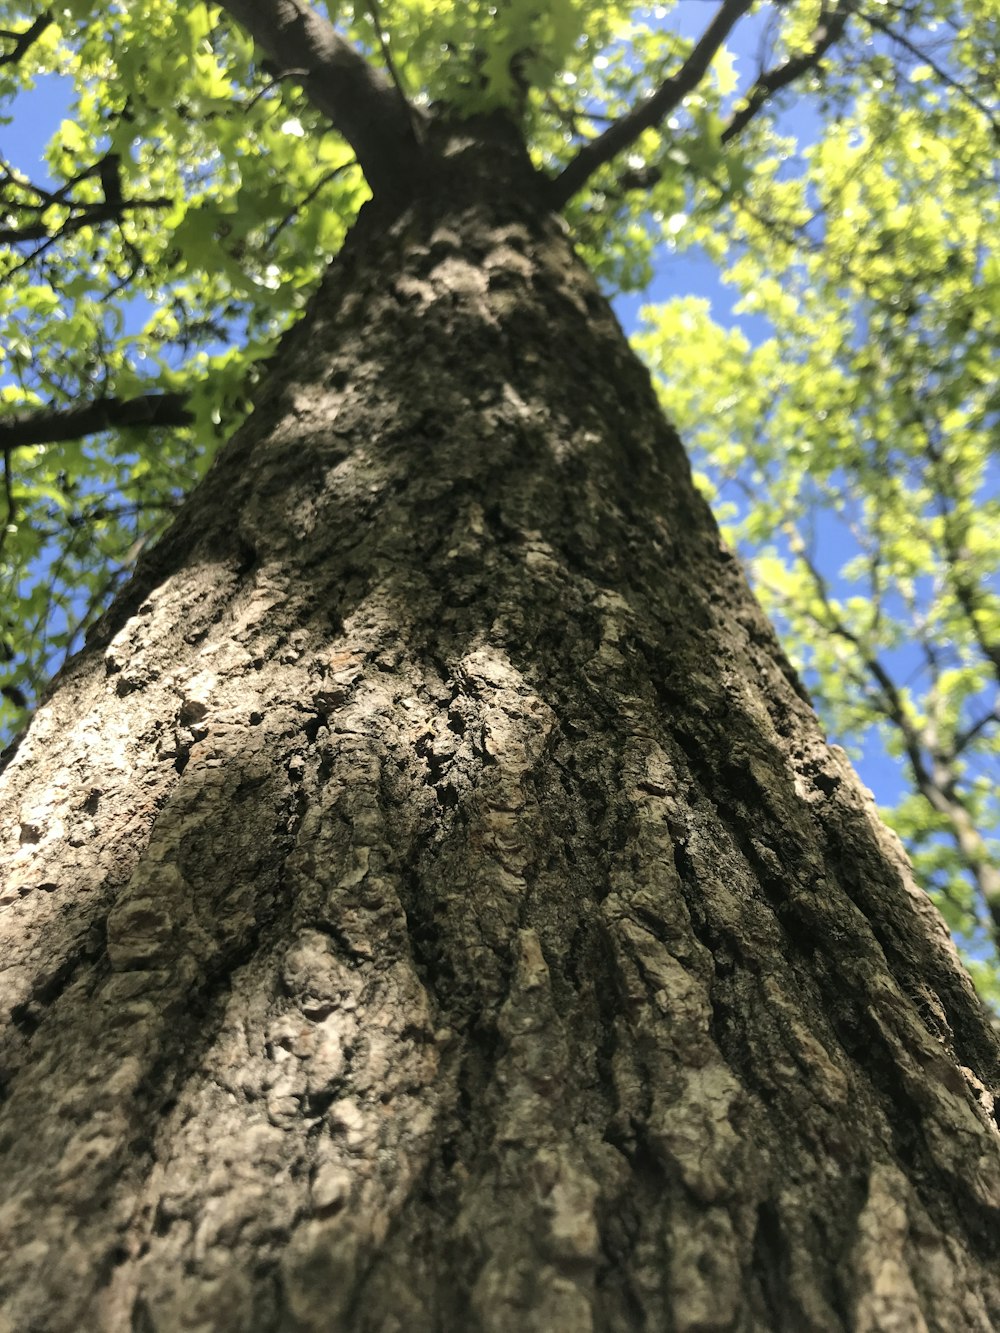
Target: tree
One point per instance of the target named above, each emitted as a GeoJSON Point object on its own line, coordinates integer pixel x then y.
{"type": "Point", "coordinates": [875, 401]}
{"type": "Point", "coordinates": [432, 902]}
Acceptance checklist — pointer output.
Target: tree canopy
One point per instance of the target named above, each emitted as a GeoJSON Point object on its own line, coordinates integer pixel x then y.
{"type": "Point", "coordinates": [838, 159]}
{"type": "Point", "coordinates": [856, 446]}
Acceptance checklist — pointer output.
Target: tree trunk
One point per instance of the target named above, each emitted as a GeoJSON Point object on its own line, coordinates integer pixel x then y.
{"type": "Point", "coordinates": [431, 902]}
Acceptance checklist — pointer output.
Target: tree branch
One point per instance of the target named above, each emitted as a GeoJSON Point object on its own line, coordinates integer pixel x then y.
{"type": "Point", "coordinates": [390, 64]}
{"type": "Point", "coordinates": [940, 73]}
{"type": "Point", "coordinates": [10, 497]}
{"type": "Point", "coordinates": [46, 425]}
{"type": "Point", "coordinates": [91, 215]}
{"type": "Point", "coordinates": [24, 40]}
{"type": "Point", "coordinates": [968, 594]}
{"type": "Point", "coordinates": [937, 785]}
{"type": "Point", "coordinates": [963, 738]}
{"type": "Point", "coordinates": [829, 30]}
{"type": "Point", "coordinates": [360, 102]}
{"type": "Point", "coordinates": [624, 132]}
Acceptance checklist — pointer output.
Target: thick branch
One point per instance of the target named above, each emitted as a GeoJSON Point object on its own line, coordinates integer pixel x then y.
{"type": "Point", "coordinates": [45, 425]}
{"type": "Point", "coordinates": [624, 132]}
{"type": "Point", "coordinates": [829, 30]}
{"type": "Point", "coordinates": [24, 40]}
{"type": "Point", "coordinates": [357, 99]}
{"type": "Point", "coordinates": [90, 215]}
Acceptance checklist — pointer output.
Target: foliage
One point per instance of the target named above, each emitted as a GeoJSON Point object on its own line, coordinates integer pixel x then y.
{"type": "Point", "coordinates": [854, 453]}
{"type": "Point", "coordinates": [237, 195]}
{"type": "Point", "coordinates": [192, 194]}
{"type": "Point", "coordinates": [234, 205]}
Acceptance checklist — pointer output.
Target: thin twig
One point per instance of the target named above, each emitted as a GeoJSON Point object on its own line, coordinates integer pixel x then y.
{"type": "Point", "coordinates": [939, 72]}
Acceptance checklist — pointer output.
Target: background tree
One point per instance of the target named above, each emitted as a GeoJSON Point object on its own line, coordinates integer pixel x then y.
{"type": "Point", "coordinates": [859, 440]}
{"type": "Point", "coordinates": [430, 902]}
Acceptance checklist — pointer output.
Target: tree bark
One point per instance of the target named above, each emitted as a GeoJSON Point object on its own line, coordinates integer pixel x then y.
{"type": "Point", "coordinates": [431, 902]}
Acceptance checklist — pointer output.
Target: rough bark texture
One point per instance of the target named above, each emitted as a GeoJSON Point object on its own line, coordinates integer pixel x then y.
{"type": "Point", "coordinates": [431, 904]}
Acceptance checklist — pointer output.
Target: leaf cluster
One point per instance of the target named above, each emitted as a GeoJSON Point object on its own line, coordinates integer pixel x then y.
{"type": "Point", "coordinates": [853, 450]}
